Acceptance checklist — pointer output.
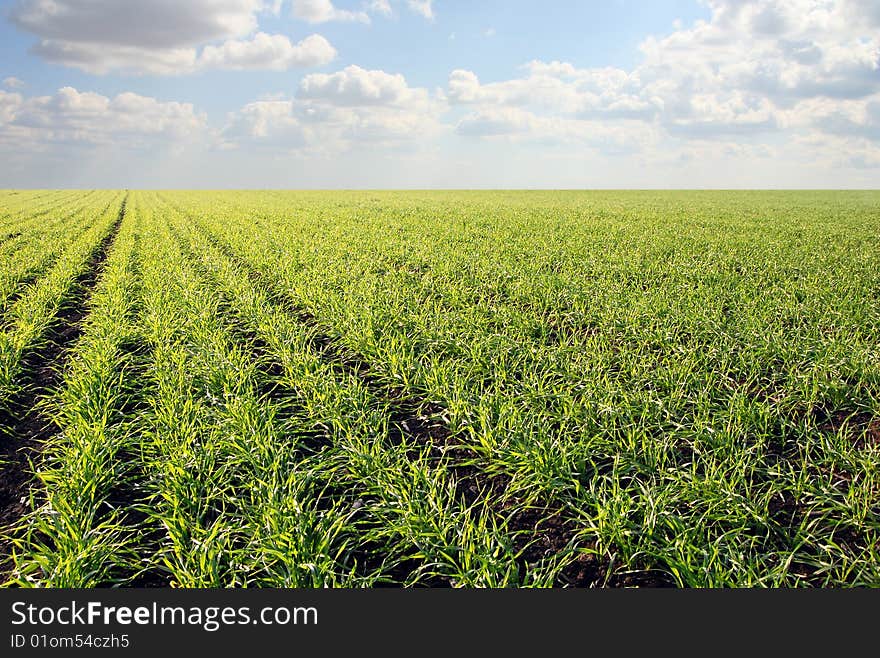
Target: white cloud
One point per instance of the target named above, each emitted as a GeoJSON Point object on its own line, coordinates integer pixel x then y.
{"type": "Point", "coordinates": [561, 89]}
{"type": "Point", "coordinates": [85, 118]}
{"type": "Point", "coordinates": [423, 7]}
{"type": "Point", "coordinates": [759, 63]}
{"type": "Point", "coordinates": [783, 51]}
{"type": "Point", "coordinates": [354, 86]}
{"type": "Point", "coordinates": [839, 151]}
{"type": "Point", "coordinates": [865, 11]}
{"type": "Point", "coordinates": [9, 105]}
{"type": "Point", "coordinates": [163, 37]}
{"type": "Point", "coordinates": [154, 24]}
{"type": "Point", "coordinates": [99, 59]}
{"type": "Point", "coordinates": [270, 121]}
{"type": "Point", "coordinates": [517, 125]}
{"type": "Point", "coordinates": [723, 113]}
{"type": "Point", "coordinates": [323, 11]}
{"type": "Point", "coordinates": [856, 119]}
{"type": "Point", "coordinates": [757, 68]}
{"type": "Point", "coordinates": [13, 83]}
{"type": "Point", "coordinates": [260, 52]}
{"type": "Point", "coordinates": [762, 92]}
{"type": "Point", "coordinates": [268, 52]}
{"type": "Point", "coordinates": [492, 122]}
{"type": "Point", "coordinates": [380, 7]}
{"type": "Point", "coordinates": [340, 112]}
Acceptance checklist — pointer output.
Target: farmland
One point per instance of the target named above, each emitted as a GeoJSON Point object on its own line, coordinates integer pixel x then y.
{"type": "Point", "coordinates": [468, 389]}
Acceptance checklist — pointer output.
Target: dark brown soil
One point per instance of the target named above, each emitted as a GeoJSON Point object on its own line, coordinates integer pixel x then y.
{"type": "Point", "coordinates": [23, 426]}
{"type": "Point", "coordinates": [864, 428]}
{"type": "Point", "coordinates": [872, 435]}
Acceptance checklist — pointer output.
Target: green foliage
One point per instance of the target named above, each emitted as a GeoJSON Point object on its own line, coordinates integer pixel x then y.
{"type": "Point", "coordinates": [684, 385]}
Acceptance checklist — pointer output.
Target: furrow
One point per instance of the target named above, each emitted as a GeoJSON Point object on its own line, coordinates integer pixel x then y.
{"type": "Point", "coordinates": [537, 534]}
{"type": "Point", "coordinates": [26, 426]}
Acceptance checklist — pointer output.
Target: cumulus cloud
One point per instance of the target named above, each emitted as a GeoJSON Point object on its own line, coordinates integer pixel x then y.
{"type": "Point", "coordinates": [517, 124]}
{"type": "Point", "coordinates": [260, 52]}
{"type": "Point", "coordinates": [340, 111]}
{"type": "Point", "coordinates": [323, 11]}
{"type": "Point", "coordinates": [763, 65]}
{"type": "Point", "coordinates": [268, 52]}
{"type": "Point", "coordinates": [491, 122]}
{"type": "Point", "coordinates": [760, 82]}
{"type": "Point", "coordinates": [840, 150]}
{"type": "Point", "coordinates": [858, 120]}
{"type": "Point", "coordinates": [13, 83]}
{"type": "Point", "coordinates": [782, 50]}
{"type": "Point", "coordinates": [558, 88]}
{"type": "Point", "coordinates": [98, 59]}
{"type": "Point", "coordinates": [154, 24]}
{"type": "Point", "coordinates": [85, 118]}
{"type": "Point", "coordinates": [354, 86]}
{"type": "Point", "coordinates": [272, 122]}
{"type": "Point", "coordinates": [163, 37]}
{"type": "Point", "coordinates": [756, 68]}
{"type": "Point", "coordinates": [558, 103]}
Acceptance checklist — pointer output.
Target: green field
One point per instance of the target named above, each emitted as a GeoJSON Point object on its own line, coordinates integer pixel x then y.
{"type": "Point", "coordinates": [468, 389]}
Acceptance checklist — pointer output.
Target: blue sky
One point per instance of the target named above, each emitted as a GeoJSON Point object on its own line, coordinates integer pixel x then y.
{"type": "Point", "coordinates": [440, 93]}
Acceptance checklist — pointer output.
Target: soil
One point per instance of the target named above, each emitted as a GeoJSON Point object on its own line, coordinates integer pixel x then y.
{"type": "Point", "coordinates": [23, 425]}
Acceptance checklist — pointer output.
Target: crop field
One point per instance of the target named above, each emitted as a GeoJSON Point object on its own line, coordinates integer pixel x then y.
{"type": "Point", "coordinates": [466, 389]}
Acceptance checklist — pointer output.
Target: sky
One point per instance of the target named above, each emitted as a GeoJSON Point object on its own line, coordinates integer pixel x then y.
{"type": "Point", "coordinates": [440, 94]}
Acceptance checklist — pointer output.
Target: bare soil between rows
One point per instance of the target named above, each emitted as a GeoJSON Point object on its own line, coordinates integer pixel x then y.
{"type": "Point", "coordinates": [24, 427]}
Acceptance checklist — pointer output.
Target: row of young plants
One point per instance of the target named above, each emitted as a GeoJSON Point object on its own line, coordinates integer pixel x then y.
{"type": "Point", "coordinates": [693, 376]}
{"type": "Point", "coordinates": [245, 457]}
{"type": "Point", "coordinates": [408, 517]}
{"type": "Point", "coordinates": [79, 533]}
{"type": "Point", "coordinates": [38, 243]}
{"type": "Point", "coordinates": [17, 207]}
{"type": "Point", "coordinates": [27, 320]}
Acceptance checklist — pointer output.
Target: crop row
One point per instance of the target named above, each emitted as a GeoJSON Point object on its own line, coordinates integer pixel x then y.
{"type": "Point", "coordinates": [27, 320]}
{"type": "Point", "coordinates": [493, 389]}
